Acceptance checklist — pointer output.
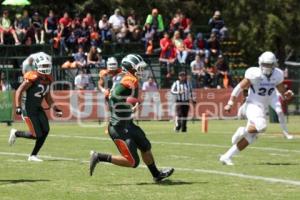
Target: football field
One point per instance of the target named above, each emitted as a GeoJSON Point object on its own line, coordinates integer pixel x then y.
{"type": "Point", "coordinates": [269, 169]}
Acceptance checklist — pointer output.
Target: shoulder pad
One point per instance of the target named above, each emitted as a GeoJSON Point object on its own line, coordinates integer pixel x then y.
{"type": "Point", "coordinates": [278, 75]}
{"type": "Point", "coordinates": [103, 73]}
{"type": "Point", "coordinates": [129, 81]}
{"type": "Point", "coordinates": [31, 76]}
{"type": "Point", "coordinates": [253, 73]}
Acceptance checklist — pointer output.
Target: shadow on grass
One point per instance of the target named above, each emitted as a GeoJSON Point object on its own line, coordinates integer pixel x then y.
{"type": "Point", "coordinates": [165, 182]}
{"type": "Point", "coordinates": [17, 181]}
{"type": "Point", "coordinates": [278, 163]}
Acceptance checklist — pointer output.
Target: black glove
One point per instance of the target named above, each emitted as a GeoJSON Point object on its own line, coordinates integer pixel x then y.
{"type": "Point", "coordinates": [18, 110]}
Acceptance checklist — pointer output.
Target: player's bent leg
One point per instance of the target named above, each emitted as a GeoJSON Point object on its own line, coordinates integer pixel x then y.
{"type": "Point", "coordinates": [238, 135]}
{"type": "Point", "coordinates": [128, 150]}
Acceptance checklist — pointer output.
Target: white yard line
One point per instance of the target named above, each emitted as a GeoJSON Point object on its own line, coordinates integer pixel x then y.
{"type": "Point", "coordinates": [222, 173]}
{"type": "Point", "coordinates": [179, 143]}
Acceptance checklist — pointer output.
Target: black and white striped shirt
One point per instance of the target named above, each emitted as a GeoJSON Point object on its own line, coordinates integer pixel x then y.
{"type": "Point", "coordinates": [182, 90]}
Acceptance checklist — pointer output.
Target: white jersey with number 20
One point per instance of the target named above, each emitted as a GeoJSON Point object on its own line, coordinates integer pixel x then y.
{"type": "Point", "coordinates": [262, 88]}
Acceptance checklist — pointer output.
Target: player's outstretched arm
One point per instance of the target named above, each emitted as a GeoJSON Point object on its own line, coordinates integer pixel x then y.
{"type": "Point", "coordinates": [243, 85]}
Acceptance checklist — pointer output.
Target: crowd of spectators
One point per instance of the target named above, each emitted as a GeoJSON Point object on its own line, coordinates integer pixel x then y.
{"type": "Point", "coordinates": [82, 38]}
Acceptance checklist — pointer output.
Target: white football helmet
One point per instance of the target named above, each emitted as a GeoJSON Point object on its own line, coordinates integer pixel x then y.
{"type": "Point", "coordinates": [112, 63]}
{"type": "Point", "coordinates": [43, 63]}
{"type": "Point", "coordinates": [267, 62]}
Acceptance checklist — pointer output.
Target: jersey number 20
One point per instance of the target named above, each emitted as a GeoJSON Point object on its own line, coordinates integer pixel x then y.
{"type": "Point", "coordinates": [42, 92]}
{"type": "Point", "coordinates": [264, 91]}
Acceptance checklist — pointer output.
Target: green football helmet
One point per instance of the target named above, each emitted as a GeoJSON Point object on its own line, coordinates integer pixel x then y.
{"type": "Point", "coordinates": [134, 64]}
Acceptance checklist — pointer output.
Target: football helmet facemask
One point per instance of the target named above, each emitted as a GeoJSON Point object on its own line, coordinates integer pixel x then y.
{"type": "Point", "coordinates": [267, 62]}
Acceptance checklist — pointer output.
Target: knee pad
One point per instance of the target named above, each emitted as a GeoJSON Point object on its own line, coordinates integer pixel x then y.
{"type": "Point", "coordinates": [260, 124]}
{"type": "Point", "coordinates": [250, 137]}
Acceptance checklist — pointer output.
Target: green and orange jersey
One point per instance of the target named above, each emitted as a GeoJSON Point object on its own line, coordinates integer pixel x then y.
{"type": "Point", "coordinates": [121, 112]}
{"type": "Point", "coordinates": [34, 95]}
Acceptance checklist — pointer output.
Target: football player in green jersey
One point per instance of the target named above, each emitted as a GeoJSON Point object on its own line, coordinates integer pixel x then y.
{"type": "Point", "coordinates": [127, 136]}
{"type": "Point", "coordinates": [35, 88]}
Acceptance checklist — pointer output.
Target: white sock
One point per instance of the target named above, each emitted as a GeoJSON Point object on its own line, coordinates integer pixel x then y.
{"type": "Point", "coordinates": [281, 119]}
{"type": "Point", "coordinates": [232, 151]}
{"type": "Point", "coordinates": [237, 136]}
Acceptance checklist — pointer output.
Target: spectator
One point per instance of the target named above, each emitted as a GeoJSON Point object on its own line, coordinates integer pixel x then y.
{"type": "Point", "coordinates": [89, 20]}
{"type": "Point", "coordinates": [94, 58]}
{"type": "Point", "coordinates": [20, 31]}
{"type": "Point", "coordinates": [181, 49]}
{"type": "Point", "coordinates": [214, 45]}
{"type": "Point", "coordinates": [211, 77]}
{"type": "Point", "coordinates": [72, 37]}
{"type": "Point", "coordinates": [117, 23]}
{"type": "Point", "coordinates": [167, 58]}
{"type": "Point", "coordinates": [186, 23]}
{"type": "Point", "coordinates": [156, 22]}
{"type": "Point", "coordinates": [104, 29]}
{"type": "Point", "coordinates": [83, 35]}
{"type": "Point", "coordinates": [28, 65]}
{"type": "Point", "coordinates": [77, 20]}
{"type": "Point", "coordinates": [60, 40]}
{"type": "Point", "coordinates": [133, 27]}
{"type": "Point", "coordinates": [82, 80]}
{"type": "Point", "coordinates": [79, 60]}
{"type": "Point", "coordinates": [148, 37]}
{"type": "Point", "coordinates": [168, 51]}
{"type": "Point", "coordinates": [27, 26]}
{"type": "Point", "coordinates": [7, 28]}
{"type": "Point", "coordinates": [95, 37]}
{"type": "Point", "coordinates": [224, 77]}
{"type": "Point", "coordinates": [188, 42]}
{"type": "Point", "coordinates": [200, 45]}
{"type": "Point", "coordinates": [149, 85]}
{"type": "Point", "coordinates": [4, 84]}
{"type": "Point", "coordinates": [50, 24]}
{"type": "Point", "coordinates": [198, 70]}
{"type": "Point", "coordinates": [37, 24]}
{"type": "Point", "coordinates": [65, 20]}
{"type": "Point", "coordinates": [26, 20]}
{"type": "Point", "coordinates": [217, 25]}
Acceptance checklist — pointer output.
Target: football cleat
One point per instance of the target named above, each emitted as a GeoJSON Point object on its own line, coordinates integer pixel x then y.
{"type": "Point", "coordinates": [164, 173]}
{"type": "Point", "coordinates": [34, 159]}
{"type": "Point", "coordinates": [93, 161]}
{"type": "Point", "coordinates": [12, 137]}
{"type": "Point", "coordinates": [225, 161]}
{"type": "Point", "coordinates": [289, 137]}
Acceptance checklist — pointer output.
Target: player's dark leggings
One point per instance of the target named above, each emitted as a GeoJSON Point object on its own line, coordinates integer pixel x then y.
{"type": "Point", "coordinates": [39, 128]}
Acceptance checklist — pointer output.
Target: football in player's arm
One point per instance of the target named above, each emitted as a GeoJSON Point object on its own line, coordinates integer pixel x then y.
{"type": "Point", "coordinates": [262, 82]}
{"type": "Point", "coordinates": [127, 136]}
{"type": "Point", "coordinates": [36, 84]}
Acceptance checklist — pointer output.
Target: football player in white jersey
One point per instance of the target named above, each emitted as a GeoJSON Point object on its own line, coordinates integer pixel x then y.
{"type": "Point", "coordinates": [262, 82]}
{"type": "Point", "coordinates": [277, 107]}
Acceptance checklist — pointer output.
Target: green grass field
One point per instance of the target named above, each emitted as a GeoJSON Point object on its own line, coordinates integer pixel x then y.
{"type": "Point", "coordinates": [267, 170]}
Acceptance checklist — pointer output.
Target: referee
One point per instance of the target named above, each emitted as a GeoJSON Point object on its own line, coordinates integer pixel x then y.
{"type": "Point", "coordinates": [183, 91]}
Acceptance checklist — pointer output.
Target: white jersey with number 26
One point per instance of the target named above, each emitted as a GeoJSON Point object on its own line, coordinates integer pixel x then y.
{"type": "Point", "coordinates": [262, 88]}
